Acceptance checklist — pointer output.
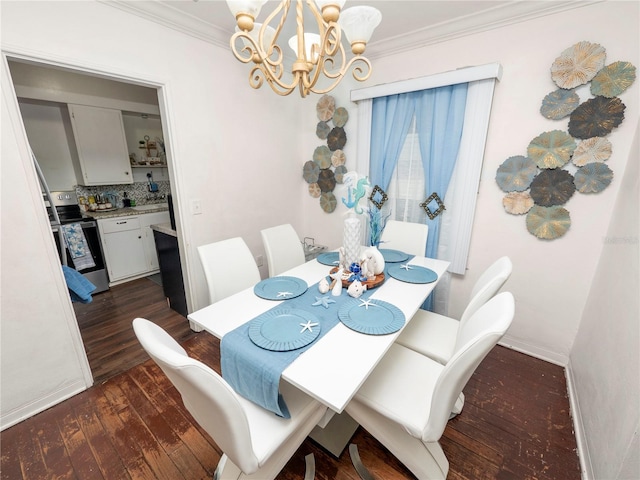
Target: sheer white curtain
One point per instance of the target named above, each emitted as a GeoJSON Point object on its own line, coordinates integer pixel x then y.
{"type": "Point", "coordinates": [406, 191]}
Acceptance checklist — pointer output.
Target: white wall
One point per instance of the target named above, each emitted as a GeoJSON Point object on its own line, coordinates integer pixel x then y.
{"type": "Point", "coordinates": [42, 357]}
{"type": "Point", "coordinates": [604, 363]}
{"type": "Point", "coordinates": [551, 279]}
{"type": "Point", "coordinates": [231, 148]}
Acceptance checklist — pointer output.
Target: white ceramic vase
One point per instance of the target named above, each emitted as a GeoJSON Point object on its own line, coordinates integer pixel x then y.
{"type": "Point", "coordinates": [351, 240]}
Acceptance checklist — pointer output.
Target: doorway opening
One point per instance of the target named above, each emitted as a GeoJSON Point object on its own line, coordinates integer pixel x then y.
{"type": "Point", "coordinates": [46, 96]}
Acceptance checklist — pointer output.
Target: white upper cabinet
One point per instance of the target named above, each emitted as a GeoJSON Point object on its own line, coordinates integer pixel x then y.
{"type": "Point", "coordinates": [102, 146]}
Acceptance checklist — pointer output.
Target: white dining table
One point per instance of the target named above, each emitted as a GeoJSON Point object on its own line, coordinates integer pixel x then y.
{"type": "Point", "coordinates": [335, 367]}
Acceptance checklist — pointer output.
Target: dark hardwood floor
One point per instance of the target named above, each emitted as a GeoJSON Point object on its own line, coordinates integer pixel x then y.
{"type": "Point", "coordinates": [515, 425]}
{"type": "Point", "coordinates": [132, 424]}
{"type": "Point", "coordinates": [105, 325]}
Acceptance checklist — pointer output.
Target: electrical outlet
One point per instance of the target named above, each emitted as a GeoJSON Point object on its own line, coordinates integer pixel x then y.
{"type": "Point", "coordinates": [259, 260]}
{"type": "Point", "coordinates": [196, 207]}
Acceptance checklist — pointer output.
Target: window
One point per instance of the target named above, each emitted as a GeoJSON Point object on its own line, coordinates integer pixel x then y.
{"type": "Point", "coordinates": [461, 196]}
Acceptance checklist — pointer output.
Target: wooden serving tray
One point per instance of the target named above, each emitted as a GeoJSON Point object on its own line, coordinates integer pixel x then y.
{"type": "Point", "coordinates": [373, 283]}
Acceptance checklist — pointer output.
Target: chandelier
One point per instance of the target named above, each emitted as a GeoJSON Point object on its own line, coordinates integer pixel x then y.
{"type": "Point", "coordinates": [320, 61]}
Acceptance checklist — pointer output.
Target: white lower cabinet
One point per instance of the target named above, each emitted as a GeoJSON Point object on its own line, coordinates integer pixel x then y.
{"type": "Point", "coordinates": [128, 245]}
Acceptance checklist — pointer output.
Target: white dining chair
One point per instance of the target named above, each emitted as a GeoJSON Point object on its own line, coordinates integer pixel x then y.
{"type": "Point", "coordinates": [283, 248]}
{"type": "Point", "coordinates": [256, 443]}
{"type": "Point", "coordinates": [435, 335]}
{"type": "Point", "coordinates": [408, 237]}
{"type": "Point", "coordinates": [229, 267]}
{"type": "Point", "coordinates": [406, 401]}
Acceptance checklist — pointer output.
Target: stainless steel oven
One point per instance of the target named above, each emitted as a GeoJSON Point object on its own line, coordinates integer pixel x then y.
{"type": "Point", "coordinates": [68, 211]}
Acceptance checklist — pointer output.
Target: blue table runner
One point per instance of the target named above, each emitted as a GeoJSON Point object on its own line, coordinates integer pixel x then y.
{"type": "Point", "coordinates": [254, 372]}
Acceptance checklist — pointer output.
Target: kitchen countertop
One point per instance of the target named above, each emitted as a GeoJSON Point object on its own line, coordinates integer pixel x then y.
{"type": "Point", "coordinates": [164, 228]}
{"type": "Point", "coordinates": [127, 211]}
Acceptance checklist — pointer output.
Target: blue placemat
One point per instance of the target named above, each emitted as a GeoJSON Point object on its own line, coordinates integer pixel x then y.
{"type": "Point", "coordinates": [329, 258]}
{"type": "Point", "coordinates": [280, 288]}
{"type": "Point", "coordinates": [393, 256]}
{"type": "Point", "coordinates": [412, 273]}
{"type": "Point", "coordinates": [284, 329]}
{"type": "Point", "coordinates": [371, 316]}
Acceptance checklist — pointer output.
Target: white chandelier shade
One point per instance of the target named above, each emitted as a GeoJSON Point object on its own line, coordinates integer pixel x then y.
{"type": "Point", "coordinates": [320, 62]}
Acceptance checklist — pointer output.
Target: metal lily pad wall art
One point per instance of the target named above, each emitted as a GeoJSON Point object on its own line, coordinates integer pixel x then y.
{"type": "Point", "coordinates": [561, 162]}
{"type": "Point", "coordinates": [327, 169]}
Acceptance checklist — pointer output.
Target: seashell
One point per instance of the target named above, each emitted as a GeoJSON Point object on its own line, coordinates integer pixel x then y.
{"type": "Point", "coordinates": [517, 203]}
{"type": "Point", "coordinates": [552, 187]}
{"type": "Point", "coordinates": [593, 178]}
{"type": "Point", "coordinates": [559, 104]}
{"type": "Point", "coordinates": [516, 173]}
{"type": "Point", "coordinates": [548, 223]}
{"type": "Point", "coordinates": [577, 64]}
{"type": "Point", "coordinates": [613, 79]}
{"type": "Point", "coordinates": [325, 108]}
{"type": "Point", "coordinates": [323, 286]}
{"type": "Point", "coordinates": [551, 149]}
{"type": "Point", "coordinates": [591, 150]}
{"type": "Point", "coordinates": [596, 117]}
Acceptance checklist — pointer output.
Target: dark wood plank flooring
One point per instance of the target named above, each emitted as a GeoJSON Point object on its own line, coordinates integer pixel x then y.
{"type": "Point", "coordinates": [515, 425]}
{"type": "Point", "coordinates": [105, 325]}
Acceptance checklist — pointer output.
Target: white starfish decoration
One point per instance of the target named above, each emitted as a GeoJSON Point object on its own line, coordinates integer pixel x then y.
{"type": "Point", "coordinates": [367, 303]}
{"type": "Point", "coordinates": [324, 301]}
{"type": "Point", "coordinates": [284, 294]}
{"type": "Point", "coordinates": [307, 326]}
{"type": "Point", "coordinates": [406, 266]}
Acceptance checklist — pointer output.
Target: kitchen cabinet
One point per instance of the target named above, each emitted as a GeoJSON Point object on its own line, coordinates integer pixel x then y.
{"type": "Point", "coordinates": [123, 247]}
{"type": "Point", "coordinates": [102, 146]}
{"type": "Point", "coordinates": [147, 235]}
{"type": "Point", "coordinates": [129, 246]}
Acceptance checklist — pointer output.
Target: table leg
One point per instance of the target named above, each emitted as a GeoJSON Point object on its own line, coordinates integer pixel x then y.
{"type": "Point", "coordinates": [335, 435]}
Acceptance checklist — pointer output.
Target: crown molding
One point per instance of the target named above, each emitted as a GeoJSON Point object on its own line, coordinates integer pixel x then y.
{"type": "Point", "coordinates": [486, 20]}
{"type": "Point", "coordinates": [170, 17]}
{"type": "Point", "coordinates": [497, 17]}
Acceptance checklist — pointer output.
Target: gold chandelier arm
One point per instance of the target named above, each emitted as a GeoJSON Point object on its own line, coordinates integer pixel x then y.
{"type": "Point", "coordinates": [360, 73]}
{"type": "Point", "coordinates": [325, 57]}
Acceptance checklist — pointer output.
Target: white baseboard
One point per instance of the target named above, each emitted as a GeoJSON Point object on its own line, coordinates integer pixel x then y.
{"type": "Point", "coordinates": [532, 350]}
{"type": "Point", "coordinates": [38, 405]}
{"type": "Point", "coordinates": [578, 427]}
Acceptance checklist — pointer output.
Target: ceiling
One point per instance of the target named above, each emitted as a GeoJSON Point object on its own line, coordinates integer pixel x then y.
{"type": "Point", "coordinates": [405, 23]}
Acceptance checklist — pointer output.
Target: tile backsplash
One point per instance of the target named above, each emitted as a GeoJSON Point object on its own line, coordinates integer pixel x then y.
{"type": "Point", "coordinates": [138, 191]}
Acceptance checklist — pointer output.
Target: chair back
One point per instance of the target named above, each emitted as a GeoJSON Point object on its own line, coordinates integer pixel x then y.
{"type": "Point", "coordinates": [283, 248]}
{"type": "Point", "coordinates": [491, 280]}
{"type": "Point", "coordinates": [206, 395]}
{"type": "Point", "coordinates": [410, 238]}
{"type": "Point", "coordinates": [483, 331]}
{"type": "Point", "coordinates": [229, 267]}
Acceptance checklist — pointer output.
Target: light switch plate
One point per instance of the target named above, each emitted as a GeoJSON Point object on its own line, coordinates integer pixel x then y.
{"type": "Point", "coordinates": [196, 207]}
